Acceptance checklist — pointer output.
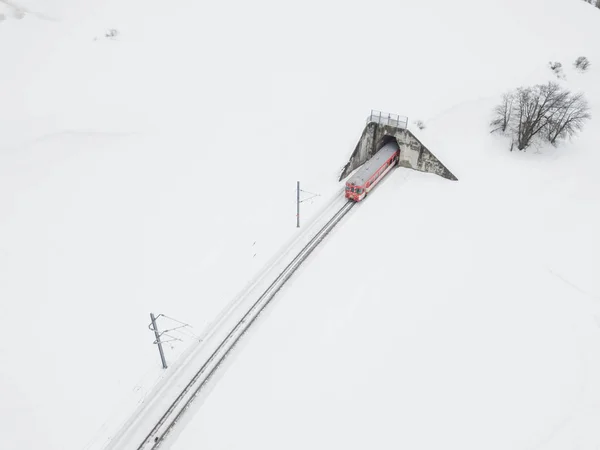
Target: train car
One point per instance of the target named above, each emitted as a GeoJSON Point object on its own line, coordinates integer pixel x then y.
{"type": "Point", "coordinates": [371, 172]}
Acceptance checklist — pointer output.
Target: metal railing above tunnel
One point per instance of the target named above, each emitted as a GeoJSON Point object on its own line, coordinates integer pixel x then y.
{"type": "Point", "coordinates": [392, 120]}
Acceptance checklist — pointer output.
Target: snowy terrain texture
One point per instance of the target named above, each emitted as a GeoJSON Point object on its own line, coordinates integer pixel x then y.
{"type": "Point", "coordinates": [149, 153]}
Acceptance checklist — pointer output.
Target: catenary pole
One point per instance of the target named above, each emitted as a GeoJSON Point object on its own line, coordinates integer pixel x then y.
{"type": "Point", "coordinates": [298, 205]}
{"type": "Point", "coordinates": [157, 334]}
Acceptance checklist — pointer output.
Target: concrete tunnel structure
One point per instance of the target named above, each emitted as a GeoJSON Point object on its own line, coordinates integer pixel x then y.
{"type": "Point", "coordinates": [380, 129]}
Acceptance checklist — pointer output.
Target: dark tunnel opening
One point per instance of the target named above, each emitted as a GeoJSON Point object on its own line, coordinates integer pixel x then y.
{"type": "Point", "coordinates": [383, 141]}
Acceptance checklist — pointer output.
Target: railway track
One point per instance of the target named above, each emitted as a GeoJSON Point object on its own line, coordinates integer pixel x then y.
{"type": "Point", "coordinates": [178, 407]}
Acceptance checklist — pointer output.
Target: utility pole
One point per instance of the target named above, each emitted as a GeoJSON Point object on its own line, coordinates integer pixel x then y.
{"type": "Point", "coordinates": [298, 205]}
{"type": "Point", "coordinates": [153, 327]}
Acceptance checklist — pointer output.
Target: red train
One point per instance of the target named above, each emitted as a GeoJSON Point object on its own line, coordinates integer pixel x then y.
{"type": "Point", "coordinates": [371, 172]}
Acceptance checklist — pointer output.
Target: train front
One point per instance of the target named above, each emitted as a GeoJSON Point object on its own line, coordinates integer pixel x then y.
{"type": "Point", "coordinates": [354, 192]}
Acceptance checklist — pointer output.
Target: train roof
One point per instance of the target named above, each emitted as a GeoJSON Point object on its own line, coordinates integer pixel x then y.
{"type": "Point", "coordinates": [367, 170]}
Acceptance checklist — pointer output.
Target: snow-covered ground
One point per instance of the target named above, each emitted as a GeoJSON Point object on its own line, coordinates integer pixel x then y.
{"type": "Point", "coordinates": [156, 171]}
{"type": "Point", "coordinates": [476, 324]}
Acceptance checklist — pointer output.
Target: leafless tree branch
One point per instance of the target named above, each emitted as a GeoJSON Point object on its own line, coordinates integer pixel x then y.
{"type": "Point", "coordinates": [548, 111]}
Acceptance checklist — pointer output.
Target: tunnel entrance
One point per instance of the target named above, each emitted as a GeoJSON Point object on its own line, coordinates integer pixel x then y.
{"type": "Point", "coordinates": [384, 141]}
{"type": "Point", "coordinates": [382, 128]}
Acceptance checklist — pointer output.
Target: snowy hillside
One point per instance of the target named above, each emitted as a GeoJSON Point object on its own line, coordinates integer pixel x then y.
{"type": "Point", "coordinates": [154, 171]}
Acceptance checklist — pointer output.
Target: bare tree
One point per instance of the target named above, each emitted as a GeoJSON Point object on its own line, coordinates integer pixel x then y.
{"type": "Point", "coordinates": [503, 113]}
{"type": "Point", "coordinates": [535, 106]}
{"type": "Point", "coordinates": [542, 111]}
{"type": "Point", "coordinates": [568, 119]}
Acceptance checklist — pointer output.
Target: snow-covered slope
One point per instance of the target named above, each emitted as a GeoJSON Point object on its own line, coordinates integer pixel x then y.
{"type": "Point", "coordinates": [156, 172]}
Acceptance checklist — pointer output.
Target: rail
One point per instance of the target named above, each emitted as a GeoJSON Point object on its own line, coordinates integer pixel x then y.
{"type": "Point", "coordinates": [176, 410]}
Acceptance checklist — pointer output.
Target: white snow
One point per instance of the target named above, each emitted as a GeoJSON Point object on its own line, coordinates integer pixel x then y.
{"type": "Point", "coordinates": [469, 318]}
